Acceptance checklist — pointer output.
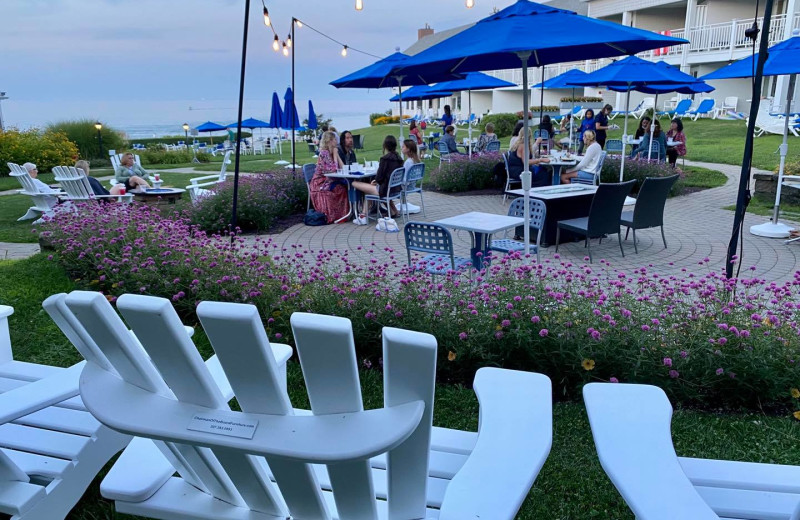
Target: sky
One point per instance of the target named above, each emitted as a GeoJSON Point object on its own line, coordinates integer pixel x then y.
{"type": "Point", "coordinates": [146, 62]}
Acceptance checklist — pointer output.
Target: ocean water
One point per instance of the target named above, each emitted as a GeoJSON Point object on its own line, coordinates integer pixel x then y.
{"type": "Point", "coordinates": [342, 121]}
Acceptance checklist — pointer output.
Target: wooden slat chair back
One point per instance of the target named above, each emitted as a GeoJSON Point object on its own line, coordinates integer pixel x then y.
{"type": "Point", "coordinates": [41, 206]}
{"type": "Point", "coordinates": [155, 396]}
{"type": "Point", "coordinates": [74, 182]}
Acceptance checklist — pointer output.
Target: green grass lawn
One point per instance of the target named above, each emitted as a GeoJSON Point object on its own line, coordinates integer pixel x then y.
{"type": "Point", "coordinates": [13, 207]}
{"type": "Point", "coordinates": [703, 178]}
{"type": "Point", "coordinates": [765, 208]}
{"type": "Point", "coordinates": [571, 486]}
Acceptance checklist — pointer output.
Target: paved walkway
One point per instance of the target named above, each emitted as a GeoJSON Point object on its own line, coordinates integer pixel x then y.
{"type": "Point", "coordinates": [696, 228]}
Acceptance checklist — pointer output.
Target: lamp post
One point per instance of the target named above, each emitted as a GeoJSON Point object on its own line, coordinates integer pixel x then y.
{"type": "Point", "coordinates": [194, 150]}
{"type": "Point", "coordinates": [99, 127]}
{"type": "Point", "coordinates": [2, 97]}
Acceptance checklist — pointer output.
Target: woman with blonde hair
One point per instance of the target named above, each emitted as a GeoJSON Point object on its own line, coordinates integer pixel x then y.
{"type": "Point", "coordinates": [329, 196]}
{"type": "Point", "coordinates": [539, 177]}
{"type": "Point", "coordinates": [130, 174]}
{"type": "Point", "coordinates": [585, 170]}
{"type": "Point", "coordinates": [97, 188]}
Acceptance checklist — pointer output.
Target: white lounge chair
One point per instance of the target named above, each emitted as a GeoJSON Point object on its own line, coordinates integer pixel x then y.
{"type": "Point", "coordinates": [769, 124]}
{"type": "Point", "coordinates": [272, 461]}
{"type": "Point", "coordinates": [51, 448]}
{"type": "Point", "coordinates": [197, 188]}
{"type": "Point", "coordinates": [42, 202]}
{"type": "Point", "coordinates": [647, 103]}
{"type": "Point", "coordinates": [631, 429]}
{"type": "Point", "coordinates": [77, 186]}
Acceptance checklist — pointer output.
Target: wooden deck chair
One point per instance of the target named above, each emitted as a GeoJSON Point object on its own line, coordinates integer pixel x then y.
{"type": "Point", "coordinates": [631, 429]}
{"type": "Point", "coordinates": [197, 188]}
{"type": "Point", "coordinates": [77, 186]}
{"type": "Point", "coordinates": [42, 203]}
{"type": "Point", "coordinates": [51, 448]}
{"type": "Point", "coordinates": [270, 460]}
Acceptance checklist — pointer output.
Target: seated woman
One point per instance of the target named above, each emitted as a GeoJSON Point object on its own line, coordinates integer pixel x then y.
{"type": "Point", "coordinates": [97, 188]}
{"type": "Point", "coordinates": [515, 135]}
{"type": "Point", "coordinates": [40, 186]}
{"type": "Point", "coordinates": [547, 126]}
{"type": "Point", "coordinates": [676, 134]}
{"type": "Point", "coordinates": [414, 133]}
{"type": "Point", "coordinates": [130, 174]}
{"type": "Point", "coordinates": [539, 176]}
{"type": "Point", "coordinates": [409, 150]}
{"type": "Point", "coordinates": [346, 148]}
{"type": "Point", "coordinates": [485, 138]}
{"type": "Point", "coordinates": [644, 127]}
{"type": "Point", "coordinates": [388, 164]}
{"type": "Point", "coordinates": [585, 170]}
{"type": "Point", "coordinates": [329, 196]}
{"type": "Point", "coordinates": [449, 139]}
{"type": "Point", "coordinates": [643, 150]}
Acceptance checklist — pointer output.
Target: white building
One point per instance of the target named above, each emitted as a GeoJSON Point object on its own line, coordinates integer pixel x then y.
{"type": "Point", "coordinates": [716, 34]}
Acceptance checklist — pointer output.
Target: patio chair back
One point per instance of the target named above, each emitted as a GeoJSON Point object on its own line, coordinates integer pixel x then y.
{"type": "Point", "coordinates": [155, 387]}
{"type": "Point", "coordinates": [649, 209]}
{"type": "Point", "coordinates": [607, 207]}
{"type": "Point", "coordinates": [24, 178]}
{"type": "Point", "coordinates": [426, 237]}
{"type": "Point", "coordinates": [74, 182]}
{"type": "Point", "coordinates": [615, 147]}
{"type": "Point", "coordinates": [493, 146]}
{"type": "Point", "coordinates": [308, 174]}
{"type": "Point", "coordinates": [358, 142]}
{"type": "Point", "coordinates": [706, 107]}
{"type": "Point", "coordinates": [444, 153]}
{"type": "Point", "coordinates": [682, 107]}
{"type": "Point", "coordinates": [655, 151]}
{"type": "Point", "coordinates": [414, 178]}
{"type": "Point", "coordinates": [509, 180]}
{"type": "Point", "coordinates": [537, 211]}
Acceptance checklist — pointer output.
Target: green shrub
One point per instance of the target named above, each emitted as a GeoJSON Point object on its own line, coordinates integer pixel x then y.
{"type": "Point", "coordinates": [581, 99]}
{"type": "Point", "coordinates": [83, 133]}
{"type": "Point", "coordinates": [639, 170]}
{"type": "Point", "coordinates": [463, 174]}
{"type": "Point", "coordinates": [157, 155]}
{"type": "Point", "coordinates": [262, 199]}
{"type": "Point", "coordinates": [503, 123]}
{"type": "Point", "coordinates": [535, 110]}
{"type": "Point", "coordinates": [375, 115]}
{"type": "Point", "coordinates": [791, 168]}
{"type": "Point", "coordinates": [46, 149]}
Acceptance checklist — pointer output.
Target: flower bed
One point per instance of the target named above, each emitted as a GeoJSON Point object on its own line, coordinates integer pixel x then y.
{"type": "Point", "coordinates": [638, 169]}
{"type": "Point", "coordinates": [262, 199]}
{"type": "Point", "coordinates": [465, 174]}
{"type": "Point", "coordinates": [704, 339]}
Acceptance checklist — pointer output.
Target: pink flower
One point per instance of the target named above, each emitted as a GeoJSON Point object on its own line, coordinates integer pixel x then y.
{"type": "Point", "coordinates": [544, 332]}
{"type": "Point", "coordinates": [720, 371]}
{"type": "Point", "coordinates": [674, 374]}
{"type": "Point", "coordinates": [667, 362]}
{"type": "Point", "coordinates": [462, 336]}
{"type": "Point", "coordinates": [613, 380]}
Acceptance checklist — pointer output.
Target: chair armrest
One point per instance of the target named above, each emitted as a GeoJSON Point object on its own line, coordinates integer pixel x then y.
{"type": "Point", "coordinates": [514, 439]}
{"type": "Point", "coordinates": [204, 178]}
{"type": "Point", "coordinates": [203, 185]}
{"type": "Point", "coordinates": [129, 409]}
{"type": "Point", "coordinates": [40, 394]}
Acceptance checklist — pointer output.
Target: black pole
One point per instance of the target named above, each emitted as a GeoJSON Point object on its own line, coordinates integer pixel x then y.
{"type": "Point", "coordinates": [294, 106]}
{"type": "Point", "coordinates": [743, 198]}
{"type": "Point", "coordinates": [239, 119]}
{"type": "Point", "coordinates": [100, 142]}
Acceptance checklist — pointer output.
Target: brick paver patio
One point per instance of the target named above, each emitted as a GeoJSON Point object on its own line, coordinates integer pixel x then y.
{"type": "Point", "coordinates": [696, 228]}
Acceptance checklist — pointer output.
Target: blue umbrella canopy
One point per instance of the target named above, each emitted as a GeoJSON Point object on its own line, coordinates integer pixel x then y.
{"type": "Point", "coordinates": [312, 116]}
{"type": "Point", "coordinates": [421, 92]}
{"type": "Point", "coordinates": [563, 80]}
{"type": "Point", "coordinates": [290, 119]}
{"type": "Point", "coordinates": [276, 114]}
{"type": "Point", "coordinates": [783, 59]}
{"type": "Point", "coordinates": [381, 74]}
{"type": "Point", "coordinates": [495, 42]}
{"type": "Point", "coordinates": [695, 87]}
{"type": "Point", "coordinates": [210, 126]}
{"type": "Point", "coordinates": [473, 81]}
{"type": "Point", "coordinates": [634, 71]}
{"type": "Point", "coordinates": [250, 123]}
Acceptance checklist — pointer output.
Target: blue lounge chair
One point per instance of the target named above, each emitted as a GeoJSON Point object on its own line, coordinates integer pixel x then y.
{"type": "Point", "coordinates": [706, 108]}
{"type": "Point", "coordinates": [680, 110]}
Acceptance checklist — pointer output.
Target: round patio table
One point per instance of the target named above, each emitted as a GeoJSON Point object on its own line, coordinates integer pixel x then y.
{"type": "Point", "coordinates": [159, 196]}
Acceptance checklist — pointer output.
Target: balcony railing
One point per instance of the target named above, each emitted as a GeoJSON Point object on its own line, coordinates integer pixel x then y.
{"type": "Point", "coordinates": [713, 38]}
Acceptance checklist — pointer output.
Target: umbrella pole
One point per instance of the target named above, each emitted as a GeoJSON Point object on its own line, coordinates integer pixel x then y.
{"type": "Point", "coordinates": [526, 172]}
{"type": "Point", "coordinates": [400, 97]}
{"type": "Point", "coordinates": [541, 105]}
{"type": "Point", "coordinates": [294, 106]}
{"type": "Point", "coordinates": [469, 123]}
{"type": "Point", "coordinates": [625, 134]}
{"type": "Point", "coordinates": [775, 229]}
{"type": "Point", "coordinates": [571, 119]}
{"type": "Point", "coordinates": [652, 130]}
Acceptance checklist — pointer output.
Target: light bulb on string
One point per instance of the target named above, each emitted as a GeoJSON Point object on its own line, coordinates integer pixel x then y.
{"type": "Point", "coordinates": [344, 51]}
{"type": "Point", "coordinates": [359, 5]}
{"type": "Point", "coordinates": [267, 21]}
{"type": "Point", "coordinates": [275, 44]}
{"type": "Point", "coordinates": [289, 40]}
{"type": "Point", "coordinates": [470, 4]}
{"type": "Point", "coordinates": [299, 23]}
{"type": "Point", "coordinates": [285, 49]}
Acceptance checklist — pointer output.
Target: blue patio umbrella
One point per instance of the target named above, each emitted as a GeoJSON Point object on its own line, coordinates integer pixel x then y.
{"type": "Point", "coordinates": [634, 73]}
{"type": "Point", "coordinates": [421, 92]}
{"type": "Point", "coordinates": [383, 74]}
{"type": "Point", "coordinates": [210, 126]}
{"type": "Point", "coordinates": [312, 116]}
{"type": "Point", "coordinates": [276, 114]}
{"type": "Point", "coordinates": [473, 81]}
{"type": "Point", "coordinates": [783, 59]}
{"type": "Point", "coordinates": [512, 38]}
{"type": "Point", "coordinates": [250, 123]}
{"type": "Point", "coordinates": [290, 119]}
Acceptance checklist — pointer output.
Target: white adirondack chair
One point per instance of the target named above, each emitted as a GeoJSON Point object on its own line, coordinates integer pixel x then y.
{"type": "Point", "coordinates": [115, 161]}
{"type": "Point", "coordinates": [766, 123]}
{"type": "Point", "coordinates": [646, 104]}
{"type": "Point", "coordinates": [50, 446]}
{"type": "Point", "coordinates": [42, 203]}
{"type": "Point", "coordinates": [331, 462]}
{"type": "Point", "coordinates": [631, 429]}
{"type": "Point", "coordinates": [77, 186]}
{"type": "Point", "coordinates": [197, 188]}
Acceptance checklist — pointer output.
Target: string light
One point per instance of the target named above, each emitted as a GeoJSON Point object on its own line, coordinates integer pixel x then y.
{"type": "Point", "coordinates": [344, 51]}
{"type": "Point", "coordinates": [267, 21]}
{"type": "Point", "coordinates": [285, 49]}
{"type": "Point", "coordinates": [289, 40]}
{"type": "Point", "coordinates": [275, 44]}
{"type": "Point", "coordinates": [470, 4]}
{"type": "Point", "coordinates": [299, 23]}
{"type": "Point", "coordinates": [359, 5]}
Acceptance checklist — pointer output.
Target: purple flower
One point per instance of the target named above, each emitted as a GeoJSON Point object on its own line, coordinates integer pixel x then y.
{"type": "Point", "coordinates": [462, 336]}
{"type": "Point", "coordinates": [544, 332]}
{"type": "Point", "coordinates": [613, 380]}
{"type": "Point", "coordinates": [674, 374]}
{"type": "Point", "coordinates": [667, 362]}
{"type": "Point", "coordinates": [720, 371]}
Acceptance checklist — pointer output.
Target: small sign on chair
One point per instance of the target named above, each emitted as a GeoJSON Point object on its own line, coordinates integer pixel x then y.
{"type": "Point", "coordinates": [220, 425]}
